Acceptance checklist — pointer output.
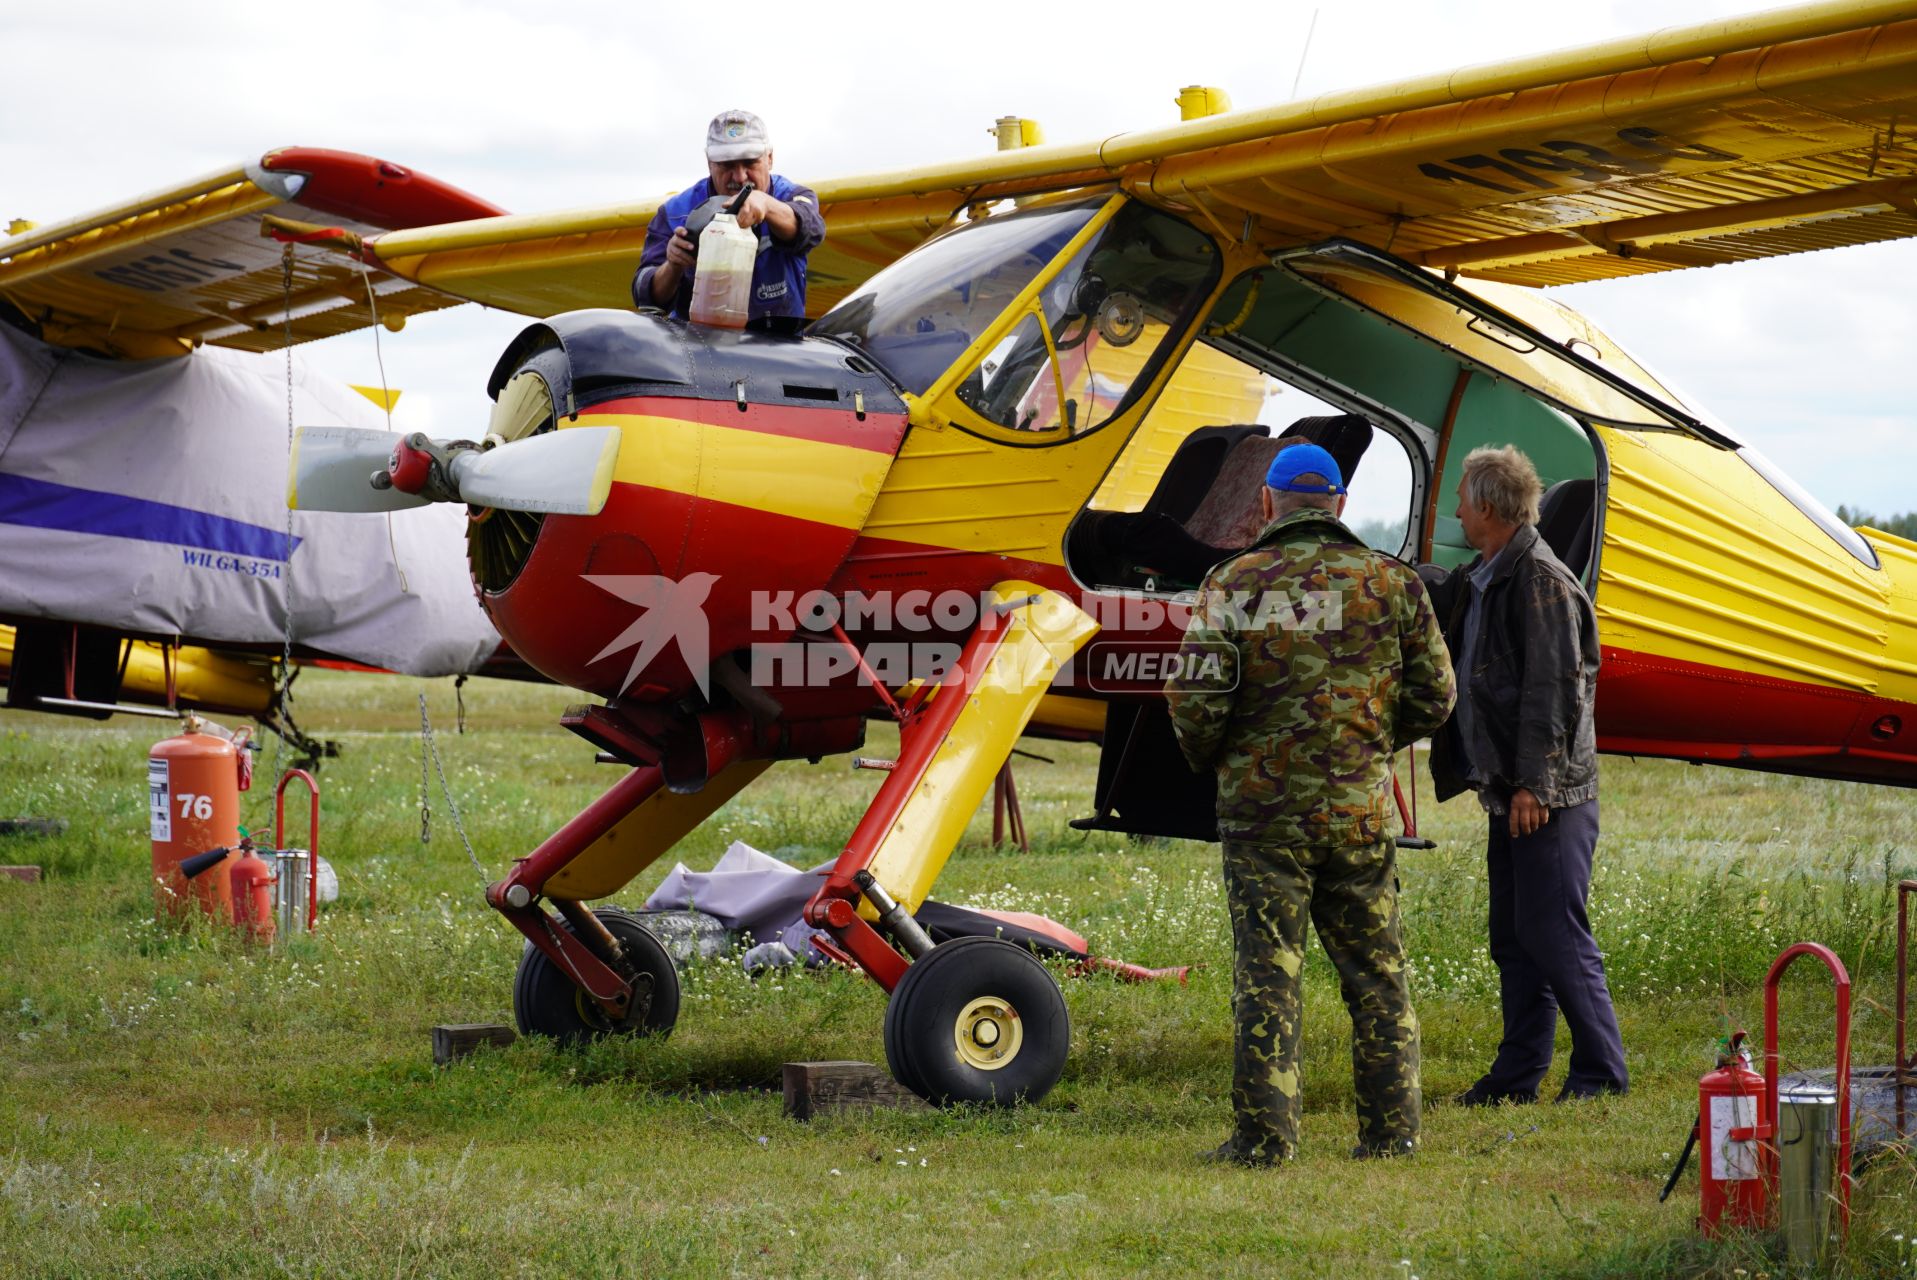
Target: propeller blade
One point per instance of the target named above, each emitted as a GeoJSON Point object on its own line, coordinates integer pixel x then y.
{"type": "Point", "coordinates": [332, 470]}
{"type": "Point", "coordinates": [566, 472]}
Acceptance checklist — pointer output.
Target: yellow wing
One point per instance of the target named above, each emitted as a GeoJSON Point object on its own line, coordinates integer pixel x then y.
{"type": "Point", "coordinates": [164, 272]}
{"type": "Point", "coordinates": [1784, 131]}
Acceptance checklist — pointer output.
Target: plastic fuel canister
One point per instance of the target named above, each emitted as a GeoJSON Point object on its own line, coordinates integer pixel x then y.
{"type": "Point", "coordinates": [722, 281]}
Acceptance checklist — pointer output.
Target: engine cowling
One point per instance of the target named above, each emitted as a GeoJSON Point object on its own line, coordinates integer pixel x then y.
{"type": "Point", "coordinates": [747, 465]}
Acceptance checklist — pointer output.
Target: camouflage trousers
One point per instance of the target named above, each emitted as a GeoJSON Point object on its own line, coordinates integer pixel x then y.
{"type": "Point", "coordinates": [1350, 893]}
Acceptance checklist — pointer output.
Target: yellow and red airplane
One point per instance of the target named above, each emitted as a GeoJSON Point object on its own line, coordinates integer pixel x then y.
{"type": "Point", "coordinates": [748, 543]}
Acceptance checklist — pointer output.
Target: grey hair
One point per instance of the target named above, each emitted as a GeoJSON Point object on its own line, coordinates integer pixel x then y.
{"type": "Point", "coordinates": [1284, 501]}
{"type": "Point", "coordinates": [1504, 480]}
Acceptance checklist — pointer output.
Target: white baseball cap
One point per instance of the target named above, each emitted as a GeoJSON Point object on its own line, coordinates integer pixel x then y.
{"type": "Point", "coordinates": [736, 135]}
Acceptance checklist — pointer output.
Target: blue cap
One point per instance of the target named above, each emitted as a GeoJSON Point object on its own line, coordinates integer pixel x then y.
{"type": "Point", "coordinates": [1304, 460]}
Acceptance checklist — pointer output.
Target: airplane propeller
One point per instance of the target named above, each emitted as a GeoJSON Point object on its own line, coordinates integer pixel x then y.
{"type": "Point", "coordinates": [345, 469]}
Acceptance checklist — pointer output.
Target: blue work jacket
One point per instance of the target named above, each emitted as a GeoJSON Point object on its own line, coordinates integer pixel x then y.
{"type": "Point", "coordinates": [778, 279]}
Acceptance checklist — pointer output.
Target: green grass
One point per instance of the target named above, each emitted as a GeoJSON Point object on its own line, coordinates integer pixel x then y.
{"type": "Point", "coordinates": [173, 1104]}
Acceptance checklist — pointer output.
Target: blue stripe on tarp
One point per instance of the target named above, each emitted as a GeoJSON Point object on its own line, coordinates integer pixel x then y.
{"type": "Point", "coordinates": [42, 504]}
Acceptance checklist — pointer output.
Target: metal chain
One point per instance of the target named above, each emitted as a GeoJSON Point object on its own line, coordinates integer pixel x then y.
{"type": "Point", "coordinates": [379, 355]}
{"type": "Point", "coordinates": [452, 806]}
{"type": "Point", "coordinates": [285, 699]}
{"type": "Point", "coordinates": [425, 785]}
{"type": "Point", "coordinates": [385, 403]}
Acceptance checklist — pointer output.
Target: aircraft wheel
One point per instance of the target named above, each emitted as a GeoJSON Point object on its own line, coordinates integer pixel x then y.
{"type": "Point", "coordinates": [895, 1056]}
{"type": "Point", "coordinates": [546, 1001]}
{"type": "Point", "coordinates": [977, 1020]}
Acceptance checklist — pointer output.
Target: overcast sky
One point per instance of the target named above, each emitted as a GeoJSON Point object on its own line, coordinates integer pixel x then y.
{"type": "Point", "coordinates": [594, 102]}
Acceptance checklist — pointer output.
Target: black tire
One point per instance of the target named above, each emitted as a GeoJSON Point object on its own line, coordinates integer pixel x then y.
{"type": "Point", "coordinates": [895, 1057]}
{"type": "Point", "coordinates": [977, 1020]}
{"type": "Point", "coordinates": [546, 1002]}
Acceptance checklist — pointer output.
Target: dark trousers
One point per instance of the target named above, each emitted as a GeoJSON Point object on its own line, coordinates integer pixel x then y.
{"type": "Point", "coordinates": [1547, 959]}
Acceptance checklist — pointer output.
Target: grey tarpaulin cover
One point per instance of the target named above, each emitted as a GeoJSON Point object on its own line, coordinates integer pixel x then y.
{"type": "Point", "coordinates": [150, 496]}
{"type": "Point", "coordinates": [755, 893]}
{"type": "Point", "coordinates": [748, 892]}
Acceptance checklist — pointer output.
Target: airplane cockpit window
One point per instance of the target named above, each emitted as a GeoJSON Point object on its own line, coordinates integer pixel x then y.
{"type": "Point", "coordinates": [1085, 344]}
{"type": "Point", "coordinates": [919, 315]}
{"type": "Point", "coordinates": [1074, 360]}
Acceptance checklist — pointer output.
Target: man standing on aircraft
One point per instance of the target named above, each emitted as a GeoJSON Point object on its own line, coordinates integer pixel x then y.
{"type": "Point", "coordinates": [1329, 659]}
{"type": "Point", "coordinates": [784, 215]}
{"type": "Point", "coordinates": [1524, 638]}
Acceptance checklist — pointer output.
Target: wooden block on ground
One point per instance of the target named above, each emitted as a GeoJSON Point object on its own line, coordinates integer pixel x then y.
{"type": "Point", "coordinates": [29, 874]}
{"type": "Point", "coordinates": [457, 1039]}
{"type": "Point", "coordinates": [817, 1088]}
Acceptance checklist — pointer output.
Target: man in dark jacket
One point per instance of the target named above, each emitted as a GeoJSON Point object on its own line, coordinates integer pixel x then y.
{"type": "Point", "coordinates": [1524, 641]}
{"type": "Point", "coordinates": [784, 215]}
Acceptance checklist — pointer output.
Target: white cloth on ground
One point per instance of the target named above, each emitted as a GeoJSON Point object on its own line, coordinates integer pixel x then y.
{"type": "Point", "coordinates": [748, 892]}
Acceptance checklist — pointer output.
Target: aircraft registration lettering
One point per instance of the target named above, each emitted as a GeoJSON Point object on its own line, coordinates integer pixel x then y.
{"type": "Point", "coordinates": [160, 272]}
{"type": "Point", "coordinates": [1580, 161]}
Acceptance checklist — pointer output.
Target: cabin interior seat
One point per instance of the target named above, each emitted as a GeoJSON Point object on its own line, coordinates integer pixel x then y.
{"type": "Point", "coordinates": [1206, 504]}
{"type": "Point", "coordinates": [1194, 469]}
{"type": "Point", "coordinates": [1567, 522]}
{"type": "Point", "coordinates": [1230, 514]}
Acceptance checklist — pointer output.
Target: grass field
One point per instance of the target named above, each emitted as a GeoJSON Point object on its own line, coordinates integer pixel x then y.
{"type": "Point", "coordinates": [173, 1104]}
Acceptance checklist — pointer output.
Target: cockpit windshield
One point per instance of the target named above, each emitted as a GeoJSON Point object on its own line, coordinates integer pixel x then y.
{"type": "Point", "coordinates": [920, 314]}
{"type": "Point", "coordinates": [1079, 351]}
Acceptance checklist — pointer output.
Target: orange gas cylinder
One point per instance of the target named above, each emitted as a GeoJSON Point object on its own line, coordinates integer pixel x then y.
{"type": "Point", "coordinates": [250, 883]}
{"type": "Point", "coordinates": [193, 801]}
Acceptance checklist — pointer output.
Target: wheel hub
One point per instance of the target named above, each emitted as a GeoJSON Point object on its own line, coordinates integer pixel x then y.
{"type": "Point", "coordinates": [988, 1033]}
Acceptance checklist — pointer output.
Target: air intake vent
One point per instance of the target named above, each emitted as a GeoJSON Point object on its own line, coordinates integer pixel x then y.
{"type": "Point", "coordinates": [498, 544]}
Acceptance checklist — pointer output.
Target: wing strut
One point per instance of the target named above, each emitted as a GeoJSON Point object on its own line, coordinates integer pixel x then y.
{"type": "Point", "coordinates": [951, 744]}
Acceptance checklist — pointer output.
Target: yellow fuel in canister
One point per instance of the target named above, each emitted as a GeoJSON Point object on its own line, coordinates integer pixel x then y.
{"type": "Point", "coordinates": [722, 280]}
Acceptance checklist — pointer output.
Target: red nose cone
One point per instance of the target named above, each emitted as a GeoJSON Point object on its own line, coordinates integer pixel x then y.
{"type": "Point", "coordinates": [409, 467]}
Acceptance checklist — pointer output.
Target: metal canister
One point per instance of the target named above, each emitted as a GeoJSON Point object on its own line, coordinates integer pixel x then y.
{"type": "Point", "coordinates": [292, 895]}
{"type": "Point", "coordinates": [1806, 1169]}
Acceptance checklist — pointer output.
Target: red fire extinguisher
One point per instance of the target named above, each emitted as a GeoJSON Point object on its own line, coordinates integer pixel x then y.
{"type": "Point", "coordinates": [252, 887]}
{"type": "Point", "coordinates": [1732, 1191]}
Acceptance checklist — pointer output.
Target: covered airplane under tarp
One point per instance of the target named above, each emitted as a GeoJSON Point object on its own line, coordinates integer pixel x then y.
{"type": "Point", "coordinates": [149, 498]}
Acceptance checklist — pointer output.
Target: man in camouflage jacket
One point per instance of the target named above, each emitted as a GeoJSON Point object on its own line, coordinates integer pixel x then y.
{"type": "Point", "coordinates": [1320, 658]}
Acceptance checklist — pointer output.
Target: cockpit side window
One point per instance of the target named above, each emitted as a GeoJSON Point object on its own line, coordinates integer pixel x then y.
{"type": "Point", "coordinates": [919, 315]}
{"type": "Point", "coordinates": [1083, 347]}
{"type": "Point", "coordinates": [1366, 363]}
{"type": "Point", "coordinates": [1095, 334]}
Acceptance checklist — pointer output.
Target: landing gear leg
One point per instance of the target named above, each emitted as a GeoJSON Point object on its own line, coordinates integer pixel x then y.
{"type": "Point", "coordinates": [547, 1001]}
{"type": "Point", "coordinates": [966, 1023]}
